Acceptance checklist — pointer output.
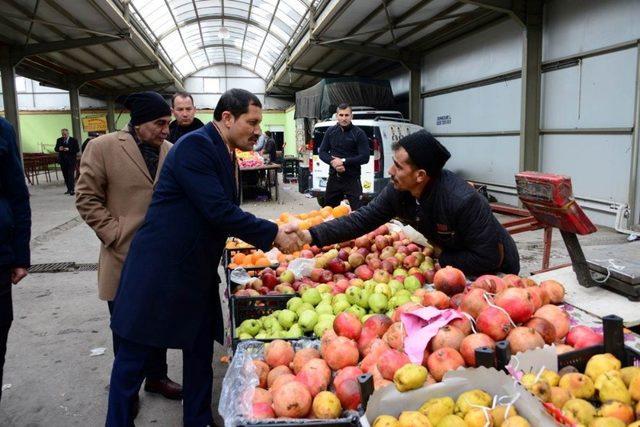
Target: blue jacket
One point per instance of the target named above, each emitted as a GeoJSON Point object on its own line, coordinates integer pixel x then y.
{"type": "Point", "coordinates": [169, 283]}
{"type": "Point", "coordinates": [15, 213]}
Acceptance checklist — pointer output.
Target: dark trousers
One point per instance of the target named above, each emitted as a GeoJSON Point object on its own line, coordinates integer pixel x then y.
{"type": "Point", "coordinates": [68, 167]}
{"type": "Point", "coordinates": [6, 316]}
{"type": "Point", "coordinates": [341, 187]}
{"type": "Point", "coordinates": [156, 368]}
{"type": "Point", "coordinates": [128, 372]}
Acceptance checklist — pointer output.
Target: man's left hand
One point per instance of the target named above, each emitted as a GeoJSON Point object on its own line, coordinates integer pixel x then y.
{"type": "Point", "coordinates": [337, 162]}
{"type": "Point", "coordinates": [17, 274]}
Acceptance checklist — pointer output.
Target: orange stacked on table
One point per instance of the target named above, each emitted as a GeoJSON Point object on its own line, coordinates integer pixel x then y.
{"type": "Point", "coordinates": [253, 259]}
{"type": "Point", "coordinates": [315, 217]}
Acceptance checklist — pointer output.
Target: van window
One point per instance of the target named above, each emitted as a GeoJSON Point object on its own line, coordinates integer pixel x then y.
{"type": "Point", "coordinates": [370, 131]}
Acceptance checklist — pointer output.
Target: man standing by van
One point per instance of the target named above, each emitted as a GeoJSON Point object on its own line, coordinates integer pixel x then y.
{"type": "Point", "coordinates": [344, 148]}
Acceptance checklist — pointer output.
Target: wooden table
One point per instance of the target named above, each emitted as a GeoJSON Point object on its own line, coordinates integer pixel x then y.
{"type": "Point", "coordinates": [268, 177]}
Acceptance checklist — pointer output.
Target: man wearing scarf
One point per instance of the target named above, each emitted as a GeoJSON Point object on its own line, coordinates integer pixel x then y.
{"type": "Point", "coordinates": [118, 172]}
{"type": "Point", "coordinates": [455, 218]}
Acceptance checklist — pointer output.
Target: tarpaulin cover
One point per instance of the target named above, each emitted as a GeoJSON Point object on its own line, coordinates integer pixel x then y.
{"type": "Point", "coordinates": [320, 101]}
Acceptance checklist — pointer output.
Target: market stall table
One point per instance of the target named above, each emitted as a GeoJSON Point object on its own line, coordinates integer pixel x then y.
{"type": "Point", "coordinates": [270, 179]}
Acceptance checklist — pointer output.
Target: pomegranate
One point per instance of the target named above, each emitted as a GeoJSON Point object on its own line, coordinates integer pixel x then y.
{"type": "Point", "coordinates": [491, 284]}
{"type": "Point", "coordinates": [534, 296]}
{"type": "Point", "coordinates": [454, 301]}
{"type": "Point", "coordinates": [327, 337]}
{"type": "Point", "coordinates": [377, 348]}
{"type": "Point", "coordinates": [350, 372]}
{"type": "Point", "coordinates": [275, 373]}
{"type": "Point", "coordinates": [542, 295]}
{"type": "Point", "coordinates": [390, 361]}
{"type": "Point", "coordinates": [447, 336]}
{"type": "Point", "coordinates": [303, 356]}
{"type": "Point", "coordinates": [278, 353]}
{"type": "Point", "coordinates": [261, 395]}
{"type": "Point", "coordinates": [315, 375]}
{"type": "Point", "coordinates": [513, 281]}
{"type": "Point", "coordinates": [557, 317]}
{"type": "Point", "coordinates": [449, 280]}
{"type": "Point", "coordinates": [262, 411]}
{"type": "Point", "coordinates": [262, 370]}
{"type": "Point", "coordinates": [517, 302]}
{"type": "Point", "coordinates": [280, 381]}
{"type": "Point", "coordinates": [443, 360]}
{"type": "Point", "coordinates": [436, 299]}
{"type": "Point", "coordinates": [523, 338]}
{"type": "Point", "coordinates": [577, 333]}
{"type": "Point", "coordinates": [348, 391]}
{"type": "Point", "coordinates": [554, 289]}
{"type": "Point", "coordinates": [493, 322]}
{"type": "Point", "coordinates": [365, 340]}
{"type": "Point", "coordinates": [404, 308]}
{"type": "Point", "coordinates": [347, 325]}
{"type": "Point", "coordinates": [464, 324]}
{"type": "Point", "coordinates": [473, 302]}
{"type": "Point", "coordinates": [341, 352]}
{"type": "Point", "coordinates": [394, 336]}
{"type": "Point", "coordinates": [379, 323]}
{"type": "Point", "coordinates": [546, 330]}
{"type": "Point", "coordinates": [292, 400]}
{"type": "Point", "coordinates": [469, 345]}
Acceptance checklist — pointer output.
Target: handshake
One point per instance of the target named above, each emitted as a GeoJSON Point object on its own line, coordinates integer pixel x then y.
{"type": "Point", "coordinates": [291, 238]}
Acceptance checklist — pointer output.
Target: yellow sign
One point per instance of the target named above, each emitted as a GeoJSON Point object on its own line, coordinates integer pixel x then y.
{"type": "Point", "coordinates": [94, 123]}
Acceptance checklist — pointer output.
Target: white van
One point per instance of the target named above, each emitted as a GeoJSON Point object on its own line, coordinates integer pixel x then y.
{"type": "Point", "coordinates": [382, 128]}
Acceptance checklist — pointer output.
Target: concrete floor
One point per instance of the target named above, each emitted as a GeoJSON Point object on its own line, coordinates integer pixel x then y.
{"type": "Point", "coordinates": [54, 381]}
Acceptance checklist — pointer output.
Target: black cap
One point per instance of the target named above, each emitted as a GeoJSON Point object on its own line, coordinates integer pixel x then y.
{"type": "Point", "coordinates": [425, 151]}
{"type": "Point", "coordinates": [146, 107]}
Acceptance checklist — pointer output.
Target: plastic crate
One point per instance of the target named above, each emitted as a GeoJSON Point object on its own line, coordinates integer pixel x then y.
{"type": "Point", "coordinates": [243, 308]}
{"type": "Point", "coordinates": [613, 343]}
{"type": "Point", "coordinates": [352, 421]}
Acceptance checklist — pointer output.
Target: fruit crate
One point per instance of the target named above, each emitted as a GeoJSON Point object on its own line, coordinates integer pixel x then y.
{"type": "Point", "coordinates": [243, 308]}
{"type": "Point", "coordinates": [613, 343]}
{"type": "Point", "coordinates": [352, 421]}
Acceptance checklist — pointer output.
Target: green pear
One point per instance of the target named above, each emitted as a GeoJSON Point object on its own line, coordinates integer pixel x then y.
{"type": "Point", "coordinates": [295, 332]}
{"type": "Point", "coordinates": [322, 326]}
{"type": "Point", "coordinates": [294, 303]}
{"type": "Point", "coordinates": [395, 286]}
{"type": "Point", "coordinates": [353, 293]}
{"type": "Point", "coordinates": [305, 306]}
{"type": "Point", "coordinates": [311, 296]}
{"type": "Point", "coordinates": [357, 310]}
{"type": "Point", "coordinates": [286, 318]}
{"type": "Point", "coordinates": [324, 308]}
{"type": "Point", "coordinates": [340, 306]}
{"type": "Point", "coordinates": [308, 320]}
{"type": "Point", "coordinates": [378, 303]}
{"type": "Point", "coordinates": [323, 288]}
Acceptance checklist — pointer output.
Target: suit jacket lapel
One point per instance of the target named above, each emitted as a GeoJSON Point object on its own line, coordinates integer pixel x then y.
{"type": "Point", "coordinates": [130, 147]}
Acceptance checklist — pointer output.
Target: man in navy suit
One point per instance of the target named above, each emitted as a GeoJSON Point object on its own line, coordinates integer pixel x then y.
{"type": "Point", "coordinates": [168, 294]}
{"type": "Point", "coordinates": [67, 148]}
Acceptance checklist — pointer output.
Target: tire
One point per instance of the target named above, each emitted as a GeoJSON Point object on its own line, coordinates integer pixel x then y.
{"type": "Point", "coordinates": [320, 200]}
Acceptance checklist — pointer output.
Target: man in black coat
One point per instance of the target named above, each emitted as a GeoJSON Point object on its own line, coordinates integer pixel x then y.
{"type": "Point", "coordinates": [184, 112]}
{"type": "Point", "coordinates": [448, 211]}
{"type": "Point", "coordinates": [344, 148]}
{"type": "Point", "coordinates": [15, 229]}
{"type": "Point", "coordinates": [67, 148]}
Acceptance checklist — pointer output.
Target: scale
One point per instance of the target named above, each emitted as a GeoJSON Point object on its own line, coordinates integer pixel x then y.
{"type": "Point", "coordinates": [549, 198]}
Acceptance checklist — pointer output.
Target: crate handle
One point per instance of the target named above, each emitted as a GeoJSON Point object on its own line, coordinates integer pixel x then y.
{"type": "Point", "coordinates": [614, 336]}
{"type": "Point", "coordinates": [485, 356]}
{"type": "Point", "coordinates": [503, 354]}
{"type": "Point", "coordinates": [366, 388]}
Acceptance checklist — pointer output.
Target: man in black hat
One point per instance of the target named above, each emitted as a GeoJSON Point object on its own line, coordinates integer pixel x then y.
{"type": "Point", "coordinates": [118, 172]}
{"type": "Point", "coordinates": [344, 148]}
{"type": "Point", "coordinates": [439, 204]}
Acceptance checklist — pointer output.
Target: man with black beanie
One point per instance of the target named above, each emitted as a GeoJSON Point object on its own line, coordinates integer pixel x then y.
{"type": "Point", "coordinates": [118, 172]}
{"type": "Point", "coordinates": [344, 148]}
{"type": "Point", "coordinates": [448, 211]}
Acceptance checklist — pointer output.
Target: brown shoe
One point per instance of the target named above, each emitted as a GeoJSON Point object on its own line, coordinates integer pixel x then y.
{"type": "Point", "coordinates": [166, 387]}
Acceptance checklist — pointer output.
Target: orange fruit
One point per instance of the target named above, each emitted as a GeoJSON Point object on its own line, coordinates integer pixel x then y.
{"type": "Point", "coordinates": [239, 258]}
{"type": "Point", "coordinates": [314, 213]}
{"type": "Point", "coordinates": [263, 262]}
{"type": "Point", "coordinates": [326, 211]}
{"type": "Point", "coordinates": [232, 265]}
{"type": "Point", "coordinates": [305, 225]}
{"type": "Point", "coordinates": [306, 246]}
{"type": "Point", "coordinates": [340, 210]}
{"type": "Point", "coordinates": [317, 220]}
{"type": "Point", "coordinates": [303, 216]}
{"type": "Point", "coordinates": [284, 216]}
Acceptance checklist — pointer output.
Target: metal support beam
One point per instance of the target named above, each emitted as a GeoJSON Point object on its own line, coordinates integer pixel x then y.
{"type": "Point", "coordinates": [74, 102]}
{"type": "Point", "coordinates": [415, 100]}
{"type": "Point", "coordinates": [374, 51]}
{"type": "Point", "coordinates": [111, 114]}
{"type": "Point", "coordinates": [320, 74]}
{"type": "Point", "coordinates": [634, 207]}
{"type": "Point", "coordinates": [83, 78]}
{"type": "Point", "coordinates": [40, 48]}
{"type": "Point", "coordinates": [514, 8]}
{"type": "Point", "coordinates": [530, 98]}
{"type": "Point", "coordinates": [9, 94]}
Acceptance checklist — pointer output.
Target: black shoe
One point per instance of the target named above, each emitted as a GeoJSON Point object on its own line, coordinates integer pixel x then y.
{"type": "Point", "coordinates": [66, 192]}
{"type": "Point", "coordinates": [72, 193]}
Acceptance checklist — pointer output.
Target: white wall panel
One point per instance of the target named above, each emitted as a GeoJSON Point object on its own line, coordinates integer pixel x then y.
{"type": "Point", "coordinates": [573, 26]}
{"type": "Point", "coordinates": [51, 101]}
{"type": "Point", "coordinates": [194, 84]}
{"type": "Point", "coordinates": [483, 109]}
{"type": "Point", "coordinates": [486, 159]}
{"type": "Point", "coordinates": [252, 85]}
{"type": "Point", "coordinates": [489, 52]}
{"type": "Point", "coordinates": [400, 83]}
{"type": "Point", "coordinates": [599, 165]}
{"type": "Point", "coordinates": [598, 93]}
{"type": "Point", "coordinates": [25, 101]}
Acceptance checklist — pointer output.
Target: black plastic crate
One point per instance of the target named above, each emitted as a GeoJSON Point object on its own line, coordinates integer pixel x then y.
{"type": "Point", "coordinates": [613, 343]}
{"type": "Point", "coordinates": [243, 308]}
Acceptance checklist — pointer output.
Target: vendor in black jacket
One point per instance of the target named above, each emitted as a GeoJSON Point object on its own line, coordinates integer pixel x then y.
{"type": "Point", "coordinates": [344, 148]}
{"type": "Point", "coordinates": [442, 206]}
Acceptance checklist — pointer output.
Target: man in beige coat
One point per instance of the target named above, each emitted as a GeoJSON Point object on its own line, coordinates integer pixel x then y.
{"type": "Point", "coordinates": [118, 172]}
